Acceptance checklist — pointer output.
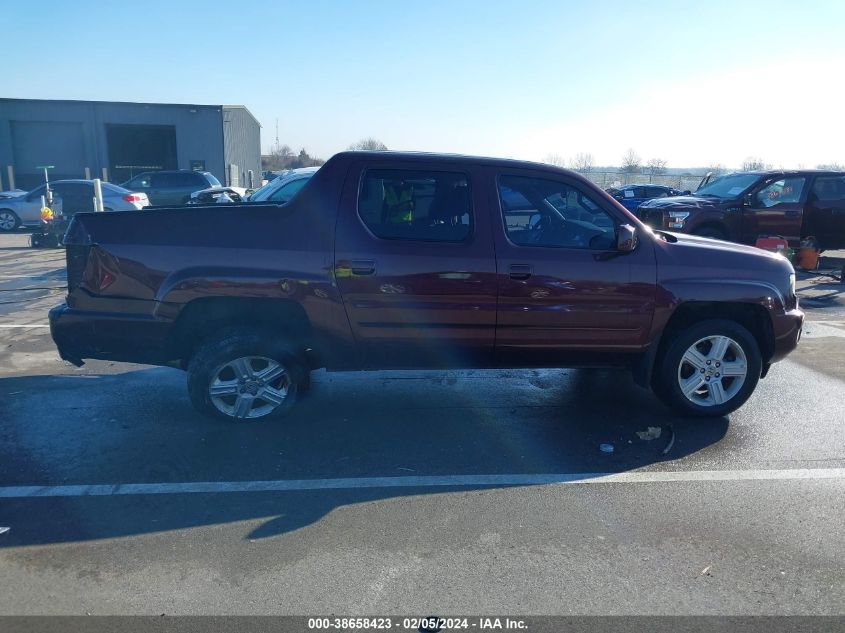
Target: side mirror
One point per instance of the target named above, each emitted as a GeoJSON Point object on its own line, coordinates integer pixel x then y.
{"type": "Point", "coordinates": [748, 200]}
{"type": "Point", "coordinates": [626, 238]}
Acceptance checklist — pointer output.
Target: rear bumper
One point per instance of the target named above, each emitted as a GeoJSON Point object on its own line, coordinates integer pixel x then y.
{"type": "Point", "coordinates": [787, 332]}
{"type": "Point", "coordinates": [81, 335]}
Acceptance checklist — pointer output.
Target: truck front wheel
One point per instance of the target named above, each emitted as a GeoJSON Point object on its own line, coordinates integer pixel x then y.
{"type": "Point", "coordinates": [245, 375]}
{"type": "Point", "coordinates": [708, 369]}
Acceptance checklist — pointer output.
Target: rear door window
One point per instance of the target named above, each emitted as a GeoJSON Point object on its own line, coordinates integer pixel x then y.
{"type": "Point", "coordinates": [161, 181]}
{"type": "Point", "coordinates": [188, 180]}
{"type": "Point", "coordinates": [416, 205]}
{"type": "Point", "coordinates": [76, 197]}
{"type": "Point", "coordinates": [829, 188]}
{"type": "Point", "coordinates": [144, 181]}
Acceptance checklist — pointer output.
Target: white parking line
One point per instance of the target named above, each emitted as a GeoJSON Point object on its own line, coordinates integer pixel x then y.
{"type": "Point", "coordinates": [286, 485]}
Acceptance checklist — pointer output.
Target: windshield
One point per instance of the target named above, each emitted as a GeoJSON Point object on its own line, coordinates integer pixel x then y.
{"type": "Point", "coordinates": [212, 180]}
{"type": "Point", "coordinates": [261, 191]}
{"type": "Point", "coordinates": [730, 186]}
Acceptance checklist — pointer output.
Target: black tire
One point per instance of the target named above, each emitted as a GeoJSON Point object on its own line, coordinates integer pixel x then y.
{"type": "Point", "coordinates": [227, 346]}
{"type": "Point", "coordinates": [7, 215]}
{"type": "Point", "coordinates": [50, 240]}
{"type": "Point", "coordinates": [710, 231]}
{"type": "Point", "coordinates": [669, 370]}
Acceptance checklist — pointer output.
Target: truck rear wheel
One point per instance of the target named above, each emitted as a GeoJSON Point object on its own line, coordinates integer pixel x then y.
{"type": "Point", "coordinates": [245, 375]}
{"type": "Point", "coordinates": [708, 369]}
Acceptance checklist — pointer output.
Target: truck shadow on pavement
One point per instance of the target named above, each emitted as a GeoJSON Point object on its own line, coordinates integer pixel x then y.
{"type": "Point", "coordinates": [138, 427]}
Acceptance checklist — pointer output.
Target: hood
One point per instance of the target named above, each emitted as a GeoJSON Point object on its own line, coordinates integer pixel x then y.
{"type": "Point", "coordinates": [686, 202]}
{"type": "Point", "coordinates": [685, 240]}
{"type": "Point", "coordinates": [712, 256]}
{"type": "Point", "coordinates": [17, 193]}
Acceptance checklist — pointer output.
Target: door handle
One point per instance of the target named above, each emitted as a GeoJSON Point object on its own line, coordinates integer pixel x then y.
{"type": "Point", "coordinates": [520, 271]}
{"type": "Point", "coordinates": [362, 266]}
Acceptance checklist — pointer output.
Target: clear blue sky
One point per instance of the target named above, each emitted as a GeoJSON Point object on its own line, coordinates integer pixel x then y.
{"type": "Point", "coordinates": [691, 82]}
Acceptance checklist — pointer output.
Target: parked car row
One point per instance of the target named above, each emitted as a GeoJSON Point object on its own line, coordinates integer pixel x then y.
{"type": "Point", "coordinates": [22, 208]}
{"type": "Point", "coordinates": [156, 188]}
{"type": "Point", "coordinates": [739, 207]}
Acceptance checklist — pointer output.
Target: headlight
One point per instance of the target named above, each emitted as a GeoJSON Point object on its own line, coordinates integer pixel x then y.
{"type": "Point", "coordinates": [677, 219]}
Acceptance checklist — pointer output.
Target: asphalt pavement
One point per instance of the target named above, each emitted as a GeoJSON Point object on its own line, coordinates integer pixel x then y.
{"type": "Point", "coordinates": [414, 493]}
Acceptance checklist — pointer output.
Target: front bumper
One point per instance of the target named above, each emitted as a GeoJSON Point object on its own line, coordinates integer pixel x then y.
{"type": "Point", "coordinates": [786, 327]}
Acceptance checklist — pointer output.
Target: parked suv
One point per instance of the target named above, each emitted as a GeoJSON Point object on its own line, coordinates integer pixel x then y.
{"type": "Point", "coordinates": [171, 187]}
{"type": "Point", "coordinates": [743, 206]}
{"type": "Point", "coordinates": [71, 196]}
{"type": "Point", "coordinates": [391, 260]}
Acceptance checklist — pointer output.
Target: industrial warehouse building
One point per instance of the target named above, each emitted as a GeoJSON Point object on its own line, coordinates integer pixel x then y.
{"type": "Point", "coordinates": [114, 141]}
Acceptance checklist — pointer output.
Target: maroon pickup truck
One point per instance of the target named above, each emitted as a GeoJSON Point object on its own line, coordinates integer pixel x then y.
{"type": "Point", "coordinates": [744, 206]}
{"type": "Point", "coordinates": [391, 260]}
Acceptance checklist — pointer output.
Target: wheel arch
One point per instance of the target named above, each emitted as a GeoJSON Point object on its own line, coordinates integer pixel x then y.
{"type": "Point", "coordinates": [752, 316]}
{"type": "Point", "coordinates": [205, 316]}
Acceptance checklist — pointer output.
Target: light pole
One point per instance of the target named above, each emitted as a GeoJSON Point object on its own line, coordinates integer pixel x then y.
{"type": "Point", "coordinates": [48, 192]}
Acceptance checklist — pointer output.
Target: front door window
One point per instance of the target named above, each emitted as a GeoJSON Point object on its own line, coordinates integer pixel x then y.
{"type": "Point", "coordinates": [782, 191]}
{"type": "Point", "coordinates": [539, 212]}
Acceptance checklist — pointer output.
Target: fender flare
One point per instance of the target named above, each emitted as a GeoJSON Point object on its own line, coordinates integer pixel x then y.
{"type": "Point", "coordinates": [730, 292]}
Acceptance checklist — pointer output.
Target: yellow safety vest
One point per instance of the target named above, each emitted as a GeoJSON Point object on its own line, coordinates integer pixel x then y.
{"type": "Point", "coordinates": [400, 206]}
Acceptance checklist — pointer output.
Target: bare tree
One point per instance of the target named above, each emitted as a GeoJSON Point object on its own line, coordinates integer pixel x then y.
{"type": "Point", "coordinates": [754, 163]}
{"type": "Point", "coordinates": [715, 169]}
{"type": "Point", "coordinates": [278, 158]}
{"type": "Point", "coordinates": [554, 159]}
{"type": "Point", "coordinates": [369, 144]}
{"type": "Point", "coordinates": [281, 157]}
{"type": "Point", "coordinates": [305, 160]}
{"type": "Point", "coordinates": [831, 166]}
{"type": "Point", "coordinates": [656, 166]}
{"type": "Point", "coordinates": [582, 162]}
{"type": "Point", "coordinates": [630, 162]}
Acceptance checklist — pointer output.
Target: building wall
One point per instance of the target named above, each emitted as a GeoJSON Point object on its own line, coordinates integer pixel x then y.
{"type": "Point", "coordinates": [242, 146]}
{"type": "Point", "coordinates": [72, 135]}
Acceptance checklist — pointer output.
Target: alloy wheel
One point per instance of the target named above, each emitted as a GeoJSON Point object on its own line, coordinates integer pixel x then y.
{"type": "Point", "coordinates": [712, 371]}
{"type": "Point", "coordinates": [7, 221]}
{"type": "Point", "coordinates": [249, 387]}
